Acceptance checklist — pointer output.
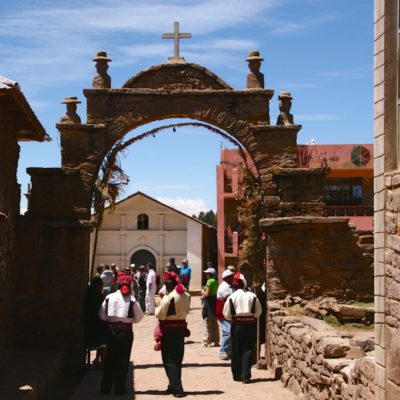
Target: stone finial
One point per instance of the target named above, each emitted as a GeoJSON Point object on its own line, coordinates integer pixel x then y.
{"type": "Point", "coordinates": [255, 79]}
{"type": "Point", "coordinates": [285, 104]}
{"type": "Point", "coordinates": [71, 117]}
{"type": "Point", "coordinates": [101, 80]}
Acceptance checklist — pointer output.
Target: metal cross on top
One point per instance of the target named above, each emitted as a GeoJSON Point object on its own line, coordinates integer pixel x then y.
{"type": "Point", "coordinates": [176, 36]}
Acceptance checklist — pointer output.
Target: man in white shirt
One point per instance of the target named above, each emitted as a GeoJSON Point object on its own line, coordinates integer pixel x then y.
{"type": "Point", "coordinates": [224, 291]}
{"type": "Point", "coordinates": [172, 313]}
{"type": "Point", "coordinates": [120, 309]}
{"type": "Point", "coordinates": [242, 308]}
{"type": "Point", "coordinates": [151, 286]}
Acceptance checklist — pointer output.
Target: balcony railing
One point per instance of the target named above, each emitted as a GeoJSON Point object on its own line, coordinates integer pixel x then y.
{"type": "Point", "coordinates": [349, 211]}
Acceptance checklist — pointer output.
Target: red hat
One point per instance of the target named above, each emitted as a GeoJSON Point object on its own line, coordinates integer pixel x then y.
{"type": "Point", "coordinates": [124, 278]}
{"type": "Point", "coordinates": [171, 276]}
{"type": "Point", "coordinates": [238, 277]}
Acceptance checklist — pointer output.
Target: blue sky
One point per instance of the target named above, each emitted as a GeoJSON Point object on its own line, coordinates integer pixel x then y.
{"type": "Point", "coordinates": [319, 50]}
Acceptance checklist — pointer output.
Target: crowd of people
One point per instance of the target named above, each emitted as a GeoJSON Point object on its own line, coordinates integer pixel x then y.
{"type": "Point", "coordinates": [118, 298]}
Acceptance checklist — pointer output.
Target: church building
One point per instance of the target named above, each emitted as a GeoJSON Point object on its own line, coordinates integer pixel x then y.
{"type": "Point", "coordinates": [140, 229]}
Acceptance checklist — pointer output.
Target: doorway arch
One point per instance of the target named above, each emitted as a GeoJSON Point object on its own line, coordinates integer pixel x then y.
{"type": "Point", "coordinates": [142, 257]}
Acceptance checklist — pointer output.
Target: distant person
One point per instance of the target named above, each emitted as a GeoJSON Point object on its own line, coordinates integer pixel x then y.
{"type": "Point", "coordinates": [142, 287]}
{"type": "Point", "coordinates": [99, 270]}
{"type": "Point", "coordinates": [172, 267]}
{"type": "Point", "coordinates": [185, 274]}
{"type": "Point", "coordinates": [209, 296]}
{"type": "Point", "coordinates": [95, 334]}
{"type": "Point", "coordinates": [224, 291]}
{"type": "Point", "coordinates": [120, 310]}
{"type": "Point", "coordinates": [172, 314]}
{"type": "Point", "coordinates": [107, 277]}
{"type": "Point", "coordinates": [151, 287]}
{"type": "Point", "coordinates": [242, 308]}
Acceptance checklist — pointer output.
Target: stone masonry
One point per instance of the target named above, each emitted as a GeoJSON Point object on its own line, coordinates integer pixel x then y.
{"type": "Point", "coordinates": [320, 364]}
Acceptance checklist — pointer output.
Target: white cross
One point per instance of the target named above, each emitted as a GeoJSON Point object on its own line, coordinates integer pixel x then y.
{"type": "Point", "coordinates": [176, 36]}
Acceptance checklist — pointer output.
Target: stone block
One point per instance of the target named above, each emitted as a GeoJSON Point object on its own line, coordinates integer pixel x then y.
{"type": "Point", "coordinates": [334, 347]}
{"type": "Point", "coordinates": [355, 352]}
{"type": "Point", "coordinates": [336, 364]}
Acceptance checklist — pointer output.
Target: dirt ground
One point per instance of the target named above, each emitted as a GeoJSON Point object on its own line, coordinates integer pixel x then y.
{"type": "Point", "coordinates": [204, 375]}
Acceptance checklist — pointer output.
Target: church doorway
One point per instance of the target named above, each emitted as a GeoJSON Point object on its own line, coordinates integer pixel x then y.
{"type": "Point", "coordinates": [142, 257]}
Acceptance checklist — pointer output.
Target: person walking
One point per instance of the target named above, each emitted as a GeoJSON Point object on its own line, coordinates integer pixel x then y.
{"type": "Point", "coordinates": [151, 287]}
{"type": "Point", "coordinates": [172, 313]}
{"type": "Point", "coordinates": [185, 274]}
{"type": "Point", "coordinates": [224, 291]}
{"type": "Point", "coordinates": [242, 308]}
{"type": "Point", "coordinates": [120, 310]}
{"type": "Point", "coordinates": [209, 296]}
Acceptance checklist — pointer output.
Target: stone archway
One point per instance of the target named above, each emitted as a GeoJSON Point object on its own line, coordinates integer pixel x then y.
{"type": "Point", "coordinates": [60, 204]}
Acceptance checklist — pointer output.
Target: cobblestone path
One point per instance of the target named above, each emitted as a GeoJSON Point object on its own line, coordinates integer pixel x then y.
{"type": "Point", "coordinates": [204, 376]}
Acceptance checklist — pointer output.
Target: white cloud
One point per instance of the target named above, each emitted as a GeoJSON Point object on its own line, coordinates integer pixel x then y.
{"type": "Point", "coordinates": [186, 205]}
{"type": "Point", "coordinates": [283, 26]}
{"type": "Point", "coordinates": [318, 117]}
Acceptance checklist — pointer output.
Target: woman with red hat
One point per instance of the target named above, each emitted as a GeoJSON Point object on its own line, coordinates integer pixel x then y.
{"type": "Point", "coordinates": [242, 308]}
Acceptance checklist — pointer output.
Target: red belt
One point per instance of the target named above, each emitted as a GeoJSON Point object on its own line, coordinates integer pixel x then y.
{"type": "Point", "coordinates": [173, 325]}
{"type": "Point", "coordinates": [244, 320]}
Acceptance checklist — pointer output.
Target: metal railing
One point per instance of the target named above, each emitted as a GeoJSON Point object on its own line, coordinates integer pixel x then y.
{"type": "Point", "coordinates": [349, 211]}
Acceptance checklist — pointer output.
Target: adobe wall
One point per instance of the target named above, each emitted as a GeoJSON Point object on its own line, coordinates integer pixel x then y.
{"type": "Point", "coordinates": [53, 259]}
{"type": "Point", "coordinates": [9, 207]}
{"type": "Point", "coordinates": [313, 257]}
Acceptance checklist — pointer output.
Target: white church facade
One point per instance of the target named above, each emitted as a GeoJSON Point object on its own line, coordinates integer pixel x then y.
{"type": "Point", "coordinates": [141, 229]}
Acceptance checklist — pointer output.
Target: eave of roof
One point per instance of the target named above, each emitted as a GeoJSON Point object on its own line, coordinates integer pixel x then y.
{"type": "Point", "coordinates": [29, 127]}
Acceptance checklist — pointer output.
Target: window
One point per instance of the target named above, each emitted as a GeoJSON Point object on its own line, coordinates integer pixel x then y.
{"type": "Point", "coordinates": [142, 222]}
{"type": "Point", "coordinates": [343, 192]}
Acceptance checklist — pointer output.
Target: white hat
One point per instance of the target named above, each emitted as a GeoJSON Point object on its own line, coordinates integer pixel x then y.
{"type": "Point", "coordinates": [210, 271]}
{"type": "Point", "coordinates": [231, 268]}
{"type": "Point", "coordinates": [227, 273]}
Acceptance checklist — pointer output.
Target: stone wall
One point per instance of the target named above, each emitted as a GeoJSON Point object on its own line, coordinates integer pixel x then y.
{"type": "Point", "coordinates": [319, 364]}
{"type": "Point", "coordinates": [9, 207]}
{"type": "Point", "coordinates": [392, 265]}
{"type": "Point", "coordinates": [313, 257]}
{"type": "Point", "coordinates": [386, 192]}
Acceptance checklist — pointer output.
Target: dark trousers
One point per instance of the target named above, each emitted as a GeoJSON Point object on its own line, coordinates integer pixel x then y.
{"type": "Point", "coordinates": [141, 298]}
{"type": "Point", "coordinates": [172, 350]}
{"type": "Point", "coordinates": [116, 363]}
{"type": "Point", "coordinates": [244, 338]}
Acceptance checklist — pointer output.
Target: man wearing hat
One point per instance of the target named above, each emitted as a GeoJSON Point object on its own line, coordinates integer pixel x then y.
{"type": "Point", "coordinates": [172, 313]}
{"type": "Point", "coordinates": [107, 276]}
{"type": "Point", "coordinates": [224, 291]}
{"type": "Point", "coordinates": [255, 79]}
{"type": "Point", "coordinates": [185, 273]}
{"type": "Point", "coordinates": [120, 310]}
{"type": "Point", "coordinates": [242, 308]}
{"type": "Point", "coordinates": [209, 297]}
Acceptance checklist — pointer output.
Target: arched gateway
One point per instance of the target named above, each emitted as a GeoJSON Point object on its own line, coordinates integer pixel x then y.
{"type": "Point", "coordinates": [55, 232]}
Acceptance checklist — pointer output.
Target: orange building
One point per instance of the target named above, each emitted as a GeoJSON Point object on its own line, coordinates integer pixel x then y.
{"type": "Point", "coordinates": [348, 189]}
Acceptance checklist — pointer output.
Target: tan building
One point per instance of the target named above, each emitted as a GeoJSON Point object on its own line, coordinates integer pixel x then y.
{"type": "Point", "coordinates": [141, 229]}
{"type": "Point", "coordinates": [387, 200]}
